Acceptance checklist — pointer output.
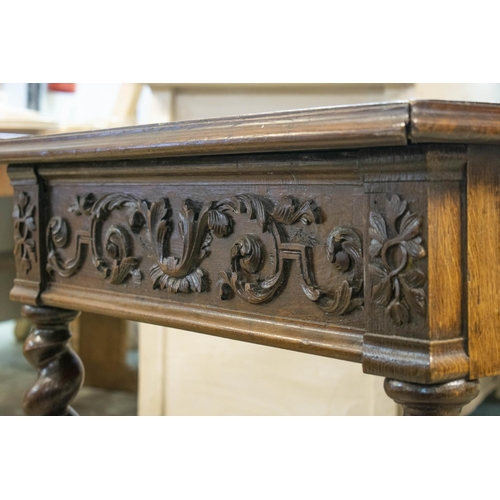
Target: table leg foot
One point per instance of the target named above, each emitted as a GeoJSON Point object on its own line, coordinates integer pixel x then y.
{"type": "Point", "coordinates": [444, 399]}
{"type": "Point", "coordinates": [60, 371]}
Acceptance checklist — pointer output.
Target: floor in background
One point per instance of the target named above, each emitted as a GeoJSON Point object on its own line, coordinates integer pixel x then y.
{"type": "Point", "coordinates": [17, 376]}
{"type": "Point", "coordinates": [490, 407]}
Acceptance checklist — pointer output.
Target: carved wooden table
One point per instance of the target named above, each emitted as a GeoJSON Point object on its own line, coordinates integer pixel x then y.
{"type": "Point", "coordinates": [366, 233]}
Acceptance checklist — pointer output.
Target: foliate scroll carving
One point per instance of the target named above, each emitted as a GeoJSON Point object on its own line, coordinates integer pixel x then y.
{"type": "Point", "coordinates": [343, 249]}
{"type": "Point", "coordinates": [196, 225]}
{"type": "Point", "coordinates": [24, 225]}
{"type": "Point", "coordinates": [113, 250]}
{"type": "Point", "coordinates": [396, 243]}
{"type": "Point", "coordinates": [111, 255]}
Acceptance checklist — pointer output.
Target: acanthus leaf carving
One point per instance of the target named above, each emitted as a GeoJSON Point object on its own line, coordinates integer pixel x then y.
{"type": "Point", "coordinates": [112, 253]}
{"type": "Point", "coordinates": [112, 258]}
{"type": "Point", "coordinates": [396, 242]}
{"type": "Point", "coordinates": [183, 274]}
{"type": "Point", "coordinates": [289, 211]}
{"type": "Point", "coordinates": [344, 250]}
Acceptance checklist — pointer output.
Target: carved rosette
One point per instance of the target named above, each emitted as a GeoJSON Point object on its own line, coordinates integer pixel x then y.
{"type": "Point", "coordinates": [112, 250]}
{"type": "Point", "coordinates": [24, 225]}
{"type": "Point", "coordinates": [395, 247]}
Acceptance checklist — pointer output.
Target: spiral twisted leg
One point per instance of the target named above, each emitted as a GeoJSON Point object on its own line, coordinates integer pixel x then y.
{"type": "Point", "coordinates": [60, 371]}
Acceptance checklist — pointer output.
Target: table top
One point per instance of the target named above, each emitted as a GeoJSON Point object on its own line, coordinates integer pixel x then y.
{"type": "Point", "coordinates": [355, 232]}
{"type": "Point", "coordinates": [340, 127]}
{"type": "Point", "coordinates": [233, 227]}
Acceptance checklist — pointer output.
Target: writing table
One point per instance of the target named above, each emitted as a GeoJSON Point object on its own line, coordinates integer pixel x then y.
{"type": "Point", "coordinates": [367, 233]}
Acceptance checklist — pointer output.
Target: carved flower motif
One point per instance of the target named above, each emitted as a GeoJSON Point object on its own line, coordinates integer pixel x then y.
{"type": "Point", "coordinates": [24, 225]}
{"type": "Point", "coordinates": [395, 243]}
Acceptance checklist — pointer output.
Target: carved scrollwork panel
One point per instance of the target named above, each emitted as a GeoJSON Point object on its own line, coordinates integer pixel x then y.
{"type": "Point", "coordinates": [343, 244]}
{"type": "Point", "coordinates": [118, 248]}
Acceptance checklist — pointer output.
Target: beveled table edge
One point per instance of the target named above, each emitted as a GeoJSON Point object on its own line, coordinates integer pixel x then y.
{"type": "Point", "coordinates": [338, 127]}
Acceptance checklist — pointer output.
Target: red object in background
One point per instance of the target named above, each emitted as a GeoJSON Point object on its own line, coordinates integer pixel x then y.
{"type": "Point", "coordinates": [62, 87]}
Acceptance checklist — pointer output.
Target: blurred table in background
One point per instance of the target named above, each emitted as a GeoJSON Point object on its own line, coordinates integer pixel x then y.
{"type": "Point", "coordinates": [13, 121]}
{"type": "Point", "coordinates": [103, 371]}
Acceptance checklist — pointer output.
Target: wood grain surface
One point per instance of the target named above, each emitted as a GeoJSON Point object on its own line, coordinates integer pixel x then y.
{"type": "Point", "coordinates": [414, 266]}
{"type": "Point", "coordinates": [446, 399]}
{"type": "Point", "coordinates": [376, 249]}
{"type": "Point", "coordinates": [181, 246]}
{"type": "Point", "coordinates": [483, 237]}
{"type": "Point", "coordinates": [60, 371]}
{"type": "Point", "coordinates": [448, 122]}
{"type": "Point", "coordinates": [321, 128]}
{"type": "Point", "coordinates": [339, 127]}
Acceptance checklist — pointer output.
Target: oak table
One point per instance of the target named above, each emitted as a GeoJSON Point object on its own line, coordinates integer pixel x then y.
{"type": "Point", "coordinates": [366, 233]}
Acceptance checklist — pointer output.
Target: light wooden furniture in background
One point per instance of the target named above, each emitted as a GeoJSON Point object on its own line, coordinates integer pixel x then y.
{"type": "Point", "coordinates": [337, 232]}
{"type": "Point", "coordinates": [12, 121]}
{"type": "Point", "coordinates": [104, 355]}
{"type": "Point", "coordinates": [166, 387]}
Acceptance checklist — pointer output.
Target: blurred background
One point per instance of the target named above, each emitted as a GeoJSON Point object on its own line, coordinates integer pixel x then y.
{"type": "Point", "coordinates": [138, 369]}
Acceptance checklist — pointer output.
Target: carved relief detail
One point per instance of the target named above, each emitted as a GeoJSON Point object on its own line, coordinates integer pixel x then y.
{"type": "Point", "coordinates": [111, 255]}
{"type": "Point", "coordinates": [196, 225]}
{"type": "Point", "coordinates": [395, 244]}
{"type": "Point", "coordinates": [343, 249]}
{"type": "Point", "coordinates": [112, 252]}
{"type": "Point", "coordinates": [24, 225]}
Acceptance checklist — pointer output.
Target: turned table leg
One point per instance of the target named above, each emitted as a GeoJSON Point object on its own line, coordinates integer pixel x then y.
{"type": "Point", "coordinates": [60, 371]}
{"type": "Point", "coordinates": [439, 399]}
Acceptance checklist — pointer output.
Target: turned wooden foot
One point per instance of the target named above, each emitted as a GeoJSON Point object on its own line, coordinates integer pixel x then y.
{"type": "Point", "coordinates": [60, 371]}
{"type": "Point", "coordinates": [439, 399]}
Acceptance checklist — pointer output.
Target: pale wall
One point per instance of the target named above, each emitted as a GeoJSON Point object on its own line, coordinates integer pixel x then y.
{"type": "Point", "coordinates": [184, 373]}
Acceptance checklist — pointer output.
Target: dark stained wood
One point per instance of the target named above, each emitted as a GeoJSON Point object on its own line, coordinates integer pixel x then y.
{"type": "Point", "coordinates": [321, 128]}
{"type": "Point", "coordinates": [413, 270]}
{"type": "Point", "coordinates": [360, 126]}
{"type": "Point", "coordinates": [347, 232]}
{"type": "Point", "coordinates": [60, 371]}
{"type": "Point", "coordinates": [29, 247]}
{"type": "Point", "coordinates": [433, 400]}
{"type": "Point", "coordinates": [119, 236]}
{"type": "Point", "coordinates": [461, 122]}
{"type": "Point", "coordinates": [483, 236]}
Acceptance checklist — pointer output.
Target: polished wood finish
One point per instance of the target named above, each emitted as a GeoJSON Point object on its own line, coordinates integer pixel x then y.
{"type": "Point", "coordinates": [418, 400]}
{"type": "Point", "coordinates": [365, 233]}
{"type": "Point", "coordinates": [340, 127]}
{"type": "Point", "coordinates": [60, 371]}
{"type": "Point", "coordinates": [483, 255]}
{"type": "Point", "coordinates": [322, 128]}
{"type": "Point", "coordinates": [420, 309]}
{"type": "Point", "coordinates": [460, 122]}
